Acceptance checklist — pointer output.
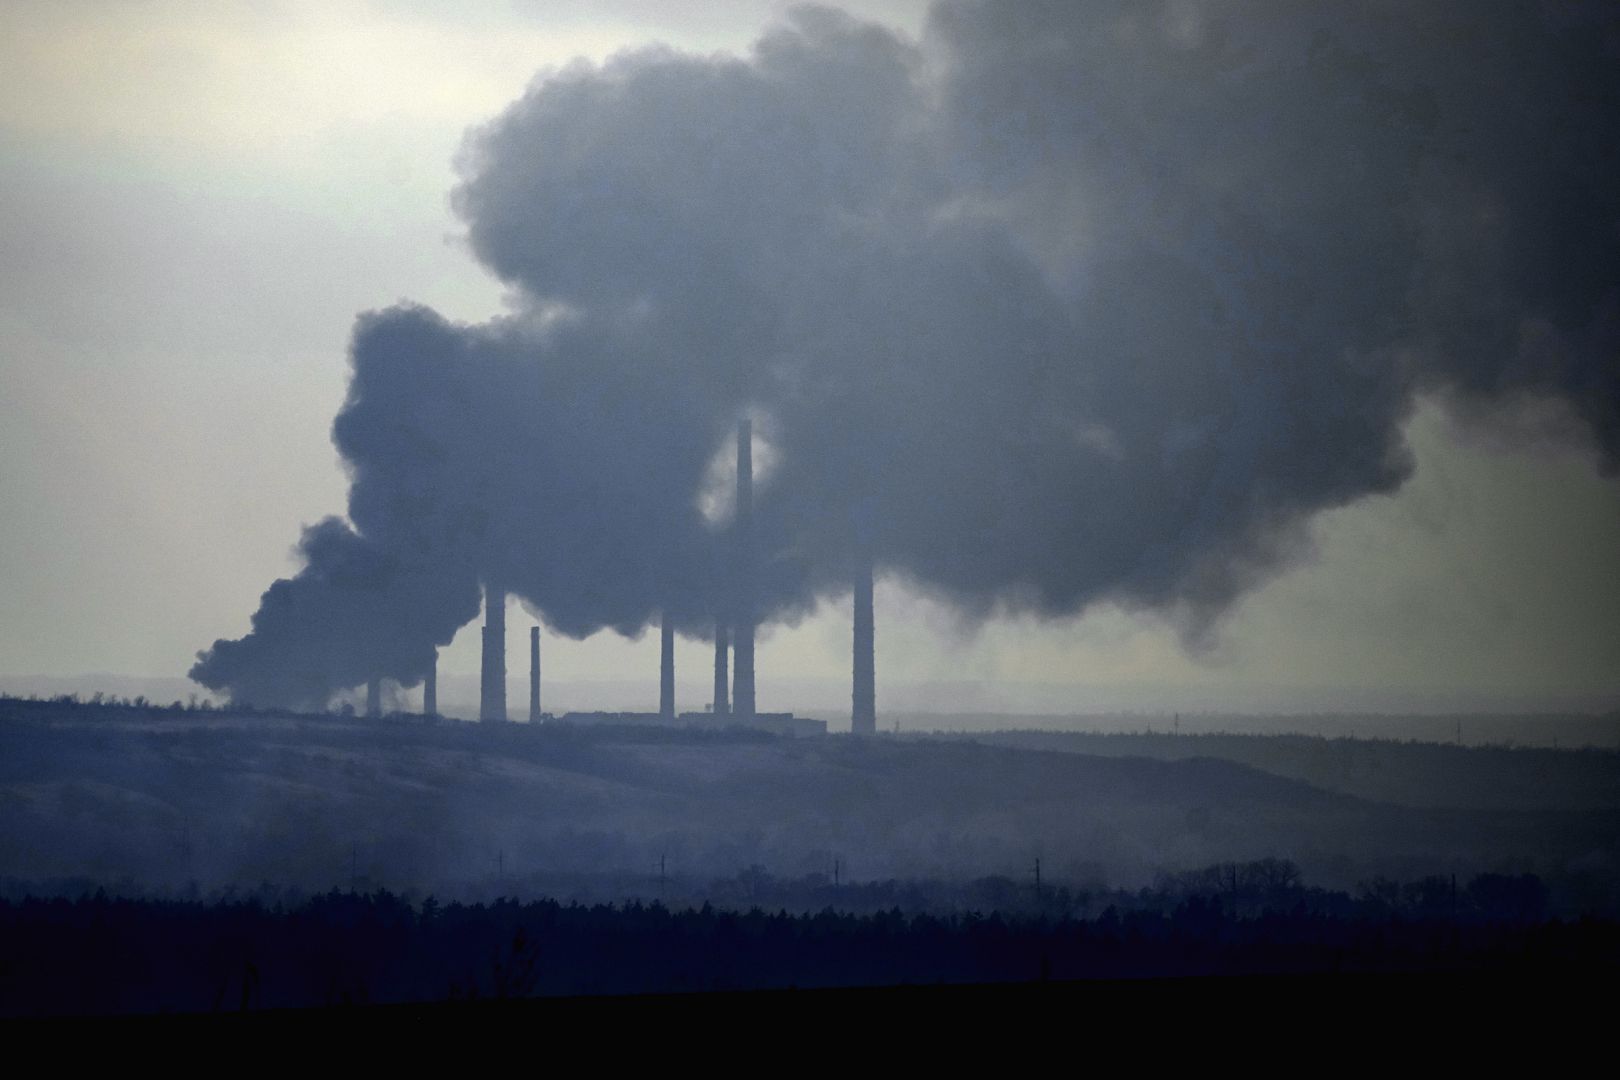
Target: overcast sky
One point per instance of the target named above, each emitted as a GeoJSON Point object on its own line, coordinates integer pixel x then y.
{"type": "Point", "coordinates": [196, 200]}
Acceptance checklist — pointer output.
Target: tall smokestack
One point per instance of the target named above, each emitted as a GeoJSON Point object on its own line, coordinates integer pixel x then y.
{"type": "Point", "coordinates": [492, 696]}
{"type": "Point", "coordinates": [430, 688]}
{"type": "Point", "coordinates": [373, 697]}
{"type": "Point", "coordinates": [742, 687]}
{"type": "Point", "coordinates": [863, 713]}
{"type": "Point", "coordinates": [722, 691]}
{"type": "Point", "coordinates": [534, 674]}
{"type": "Point", "coordinates": [666, 668]}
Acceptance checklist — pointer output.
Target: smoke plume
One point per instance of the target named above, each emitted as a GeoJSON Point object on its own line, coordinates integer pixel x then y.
{"type": "Point", "coordinates": [1060, 304]}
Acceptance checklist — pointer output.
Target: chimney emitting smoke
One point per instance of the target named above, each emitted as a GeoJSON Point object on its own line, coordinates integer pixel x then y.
{"type": "Point", "coordinates": [666, 667]}
{"type": "Point", "coordinates": [722, 691]}
{"type": "Point", "coordinates": [742, 689]}
{"type": "Point", "coordinates": [534, 674]}
{"type": "Point", "coordinates": [492, 695]}
{"type": "Point", "coordinates": [863, 713]}
{"type": "Point", "coordinates": [430, 688]}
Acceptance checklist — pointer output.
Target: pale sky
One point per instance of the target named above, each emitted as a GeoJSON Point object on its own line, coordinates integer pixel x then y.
{"type": "Point", "coordinates": [196, 200]}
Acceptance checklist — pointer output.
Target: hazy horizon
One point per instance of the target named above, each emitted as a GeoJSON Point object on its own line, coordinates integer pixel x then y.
{"type": "Point", "coordinates": [942, 704]}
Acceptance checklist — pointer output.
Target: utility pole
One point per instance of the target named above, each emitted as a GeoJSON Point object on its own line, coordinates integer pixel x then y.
{"type": "Point", "coordinates": [1037, 877]}
{"type": "Point", "coordinates": [660, 876]}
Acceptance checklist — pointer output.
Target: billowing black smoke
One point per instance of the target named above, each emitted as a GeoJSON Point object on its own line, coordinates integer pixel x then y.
{"type": "Point", "coordinates": [1065, 303]}
{"type": "Point", "coordinates": [356, 611]}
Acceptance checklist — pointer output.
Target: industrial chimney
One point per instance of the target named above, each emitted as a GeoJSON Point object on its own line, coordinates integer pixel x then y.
{"type": "Point", "coordinates": [492, 692]}
{"type": "Point", "coordinates": [863, 713]}
{"type": "Point", "coordinates": [430, 687]}
{"type": "Point", "coordinates": [722, 690]}
{"type": "Point", "coordinates": [742, 687]}
{"type": "Point", "coordinates": [666, 668]}
{"type": "Point", "coordinates": [534, 674]}
{"type": "Point", "coordinates": [373, 697]}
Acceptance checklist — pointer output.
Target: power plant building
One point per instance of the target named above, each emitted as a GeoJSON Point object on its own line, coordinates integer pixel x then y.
{"type": "Point", "coordinates": [775, 723]}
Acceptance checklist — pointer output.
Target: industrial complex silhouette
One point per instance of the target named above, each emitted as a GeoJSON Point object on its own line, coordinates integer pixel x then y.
{"type": "Point", "coordinates": [734, 702]}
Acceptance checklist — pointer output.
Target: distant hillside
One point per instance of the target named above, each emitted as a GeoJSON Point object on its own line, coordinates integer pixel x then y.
{"type": "Point", "coordinates": [165, 797]}
{"type": "Point", "coordinates": [1569, 730]}
{"type": "Point", "coordinates": [1422, 774]}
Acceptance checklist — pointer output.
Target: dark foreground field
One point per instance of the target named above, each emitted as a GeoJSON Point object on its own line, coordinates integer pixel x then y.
{"type": "Point", "coordinates": [101, 956]}
{"type": "Point", "coordinates": [1547, 1022]}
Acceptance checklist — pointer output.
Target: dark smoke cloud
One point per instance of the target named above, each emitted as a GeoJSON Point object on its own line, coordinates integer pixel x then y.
{"type": "Point", "coordinates": [1065, 303]}
{"type": "Point", "coordinates": [1279, 224]}
{"type": "Point", "coordinates": [356, 610]}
